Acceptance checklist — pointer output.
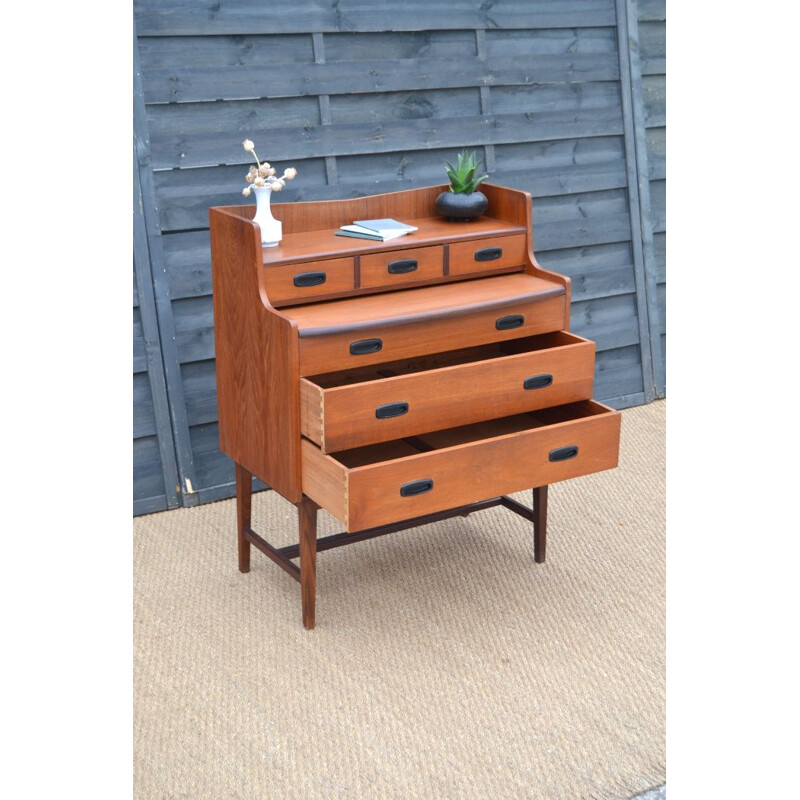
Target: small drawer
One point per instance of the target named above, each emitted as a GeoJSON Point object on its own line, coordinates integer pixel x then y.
{"type": "Point", "coordinates": [385, 483]}
{"type": "Point", "coordinates": [401, 266]}
{"type": "Point", "coordinates": [485, 255]}
{"type": "Point", "coordinates": [333, 351]}
{"type": "Point", "coordinates": [300, 282]}
{"type": "Point", "coordinates": [387, 401]}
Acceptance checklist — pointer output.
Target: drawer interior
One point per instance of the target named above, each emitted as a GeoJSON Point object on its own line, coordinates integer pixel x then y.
{"type": "Point", "coordinates": [466, 434]}
{"type": "Point", "coordinates": [376, 484]}
{"type": "Point", "coordinates": [468, 355]}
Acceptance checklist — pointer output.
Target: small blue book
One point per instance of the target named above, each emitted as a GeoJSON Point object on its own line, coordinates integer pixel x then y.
{"type": "Point", "coordinates": [383, 226]}
{"type": "Point", "coordinates": [379, 229]}
{"type": "Point", "coordinates": [355, 235]}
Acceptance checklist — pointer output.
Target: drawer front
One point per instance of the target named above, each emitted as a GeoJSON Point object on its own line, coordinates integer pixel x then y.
{"type": "Point", "coordinates": [300, 282]}
{"type": "Point", "coordinates": [336, 351]}
{"type": "Point", "coordinates": [353, 415]}
{"type": "Point", "coordinates": [487, 254]}
{"type": "Point", "coordinates": [401, 266]}
{"type": "Point", "coordinates": [390, 491]}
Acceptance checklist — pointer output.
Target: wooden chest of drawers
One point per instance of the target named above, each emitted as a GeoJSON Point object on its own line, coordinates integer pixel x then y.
{"type": "Point", "coordinates": [397, 383]}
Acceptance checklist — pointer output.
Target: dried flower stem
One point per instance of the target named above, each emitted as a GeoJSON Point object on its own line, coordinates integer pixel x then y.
{"type": "Point", "coordinates": [263, 176]}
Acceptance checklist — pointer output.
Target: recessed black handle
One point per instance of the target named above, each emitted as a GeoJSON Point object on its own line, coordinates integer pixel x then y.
{"type": "Point", "coordinates": [310, 278]}
{"type": "Point", "coordinates": [537, 381]}
{"type": "Point", "coordinates": [416, 487]}
{"type": "Point", "coordinates": [401, 267]}
{"type": "Point", "coordinates": [506, 323]}
{"type": "Point", "coordinates": [564, 453]}
{"type": "Point", "coordinates": [365, 346]}
{"type": "Point", "coordinates": [488, 254]}
{"type": "Point", "coordinates": [391, 410]}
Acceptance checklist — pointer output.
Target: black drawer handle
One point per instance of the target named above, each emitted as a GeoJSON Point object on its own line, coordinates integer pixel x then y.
{"type": "Point", "coordinates": [310, 278]}
{"type": "Point", "coordinates": [563, 453]}
{"type": "Point", "coordinates": [416, 487]}
{"type": "Point", "coordinates": [401, 267]}
{"type": "Point", "coordinates": [391, 410]}
{"type": "Point", "coordinates": [537, 382]}
{"type": "Point", "coordinates": [488, 254]}
{"type": "Point", "coordinates": [365, 346]}
{"type": "Point", "coordinates": [506, 323]}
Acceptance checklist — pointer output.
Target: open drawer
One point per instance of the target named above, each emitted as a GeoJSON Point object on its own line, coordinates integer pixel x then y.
{"type": "Point", "coordinates": [383, 483]}
{"type": "Point", "coordinates": [372, 404]}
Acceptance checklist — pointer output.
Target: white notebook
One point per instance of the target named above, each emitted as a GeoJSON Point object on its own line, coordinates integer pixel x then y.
{"type": "Point", "coordinates": [384, 228]}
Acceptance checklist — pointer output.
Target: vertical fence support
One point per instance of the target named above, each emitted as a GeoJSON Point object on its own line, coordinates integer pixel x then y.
{"type": "Point", "coordinates": [152, 345]}
{"type": "Point", "coordinates": [331, 168]}
{"type": "Point", "coordinates": [643, 173]}
{"type": "Point", "coordinates": [160, 286]}
{"type": "Point", "coordinates": [626, 79]}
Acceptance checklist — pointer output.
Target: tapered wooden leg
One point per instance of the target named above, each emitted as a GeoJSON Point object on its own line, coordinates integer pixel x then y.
{"type": "Point", "coordinates": [539, 523]}
{"type": "Point", "coordinates": [244, 493]}
{"type": "Point", "coordinates": [307, 513]}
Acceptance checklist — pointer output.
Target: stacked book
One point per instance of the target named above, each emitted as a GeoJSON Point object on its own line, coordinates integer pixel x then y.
{"type": "Point", "coordinates": [379, 230]}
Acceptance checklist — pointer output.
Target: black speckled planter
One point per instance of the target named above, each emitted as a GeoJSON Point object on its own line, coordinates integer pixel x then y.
{"type": "Point", "coordinates": [461, 207]}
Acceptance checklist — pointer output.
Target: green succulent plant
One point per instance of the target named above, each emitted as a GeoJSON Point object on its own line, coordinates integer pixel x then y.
{"type": "Point", "coordinates": [463, 176]}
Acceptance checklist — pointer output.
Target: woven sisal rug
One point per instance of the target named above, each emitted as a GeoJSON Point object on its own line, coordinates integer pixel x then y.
{"type": "Point", "coordinates": [445, 662]}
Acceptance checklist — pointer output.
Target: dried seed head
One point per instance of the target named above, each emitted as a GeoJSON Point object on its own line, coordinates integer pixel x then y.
{"type": "Point", "coordinates": [290, 173]}
{"type": "Point", "coordinates": [248, 145]}
{"type": "Point", "coordinates": [246, 191]}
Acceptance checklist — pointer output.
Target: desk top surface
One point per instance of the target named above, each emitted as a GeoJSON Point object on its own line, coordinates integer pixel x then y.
{"type": "Point", "coordinates": [321, 244]}
{"type": "Point", "coordinates": [427, 302]}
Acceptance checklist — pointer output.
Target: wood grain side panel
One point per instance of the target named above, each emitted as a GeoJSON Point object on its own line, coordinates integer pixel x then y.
{"type": "Point", "coordinates": [375, 267]}
{"type": "Point", "coordinates": [311, 411]}
{"type": "Point", "coordinates": [514, 205]}
{"type": "Point", "coordinates": [325, 481]}
{"type": "Point", "coordinates": [511, 205]}
{"type": "Point", "coordinates": [280, 407]}
{"type": "Point", "coordinates": [256, 361]}
{"type": "Point", "coordinates": [463, 255]}
{"type": "Point", "coordinates": [456, 395]}
{"type": "Point", "coordinates": [339, 277]}
{"type": "Point", "coordinates": [320, 354]}
{"type": "Point", "coordinates": [479, 470]}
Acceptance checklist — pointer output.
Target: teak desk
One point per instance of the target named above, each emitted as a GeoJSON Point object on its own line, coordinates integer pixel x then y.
{"type": "Point", "coordinates": [397, 383]}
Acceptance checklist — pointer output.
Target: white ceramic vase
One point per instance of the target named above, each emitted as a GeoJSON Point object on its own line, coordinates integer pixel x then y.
{"type": "Point", "coordinates": [271, 228]}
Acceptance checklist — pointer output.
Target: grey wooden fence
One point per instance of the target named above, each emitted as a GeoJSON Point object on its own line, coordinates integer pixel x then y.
{"type": "Point", "coordinates": [562, 98]}
{"type": "Point", "coordinates": [651, 53]}
{"type": "Point", "coordinates": [155, 475]}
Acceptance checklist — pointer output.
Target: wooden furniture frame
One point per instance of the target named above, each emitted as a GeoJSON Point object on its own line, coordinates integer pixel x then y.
{"type": "Point", "coordinates": [398, 383]}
